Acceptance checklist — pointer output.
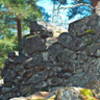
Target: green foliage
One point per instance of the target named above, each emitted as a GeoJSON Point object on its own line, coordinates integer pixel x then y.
{"type": "Point", "coordinates": [21, 8]}
{"type": "Point", "coordinates": [8, 40]}
{"type": "Point", "coordinates": [7, 45]}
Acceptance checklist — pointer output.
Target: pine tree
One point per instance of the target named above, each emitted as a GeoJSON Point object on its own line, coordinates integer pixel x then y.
{"type": "Point", "coordinates": [18, 10]}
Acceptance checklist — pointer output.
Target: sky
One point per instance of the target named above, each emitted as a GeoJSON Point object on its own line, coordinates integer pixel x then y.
{"type": "Point", "coordinates": [63, 17]}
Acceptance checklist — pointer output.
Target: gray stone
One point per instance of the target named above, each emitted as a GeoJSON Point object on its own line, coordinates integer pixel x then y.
{"type": "Point", "coordinates": [75, 79]}
{"type": "Point", "coordinates": [40, 30]}
{"type": "Point", "coordinates": [89, 25]}
{"type": "Point", "coordinates": [26, 90]}
{"type": "Point", "coordinates": [34, 44]}
{"type": "Point", "coordinates": [36, 59]}
{"type": "Point", "coordinates": [70, 42]}
{"type": "Point", "coordinates": [2, 97]}
{"type": "Point", "coordinates": [54, 81]}
{"type": "Point", "coordinates": [6, 89]}
{"type": "Point", "coordinates": [37, 78]}
{"type": "Point", "coordinates": [53, 51]}
{"type": "Point", "coordinates": [70, 94]}
{"type": "Point", "coordinates": [94, 50]}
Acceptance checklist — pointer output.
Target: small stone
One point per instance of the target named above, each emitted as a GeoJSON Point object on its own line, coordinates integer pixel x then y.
{"type": "Point", "coordinates": [6, 89]}
{"type": "Point", "coordinates": [19, 98]}
{"type": "Point", "coordinates": [11, 55]}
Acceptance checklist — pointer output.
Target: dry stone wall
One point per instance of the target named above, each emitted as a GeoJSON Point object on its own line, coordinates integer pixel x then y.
{"type": "Point", "coordinates": [72, 60]}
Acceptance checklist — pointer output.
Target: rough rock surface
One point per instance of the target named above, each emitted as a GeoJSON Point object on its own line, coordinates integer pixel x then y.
{"type": "Point", "coordinates": [35, 43]}
{"type": "Point", "coordinates": [66, 93]}
{"type": "Point", "coordinates": [74, 56]}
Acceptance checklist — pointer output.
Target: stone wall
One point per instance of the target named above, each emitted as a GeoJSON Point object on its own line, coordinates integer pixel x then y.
{"type": "Point", "coordinates": [72, 59]}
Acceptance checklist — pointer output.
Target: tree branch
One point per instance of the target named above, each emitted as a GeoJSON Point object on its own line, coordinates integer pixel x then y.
{"type": "Point", "coordinates": [76, 5]}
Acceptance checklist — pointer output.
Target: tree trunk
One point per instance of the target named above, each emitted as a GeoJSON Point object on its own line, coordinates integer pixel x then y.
{"type": "Point", "coordinates": [19, 34]}
{"type": "Point", "coordinates": [33, 27]}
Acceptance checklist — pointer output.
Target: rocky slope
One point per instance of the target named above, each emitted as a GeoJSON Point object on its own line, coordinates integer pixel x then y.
{"type": "Point", "coordinates": [72, 59]}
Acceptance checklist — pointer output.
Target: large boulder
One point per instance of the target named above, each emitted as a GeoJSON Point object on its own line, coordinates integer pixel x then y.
{"type": "Point", "coordinates": [71, 42]}
{"type": "Point", "coordinates": [36, 28]}
{"type": "Point", "coordinates": [33, 44]}
{"type": "Point", "coordinates": [88, 25]}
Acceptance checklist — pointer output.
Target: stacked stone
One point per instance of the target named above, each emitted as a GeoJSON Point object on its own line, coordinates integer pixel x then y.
{"type": "Point", "coordinates": [74, 56]}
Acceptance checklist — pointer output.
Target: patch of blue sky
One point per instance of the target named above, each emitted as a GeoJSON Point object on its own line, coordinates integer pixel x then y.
{"type": "Point", "coordinates": [63, 17]}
